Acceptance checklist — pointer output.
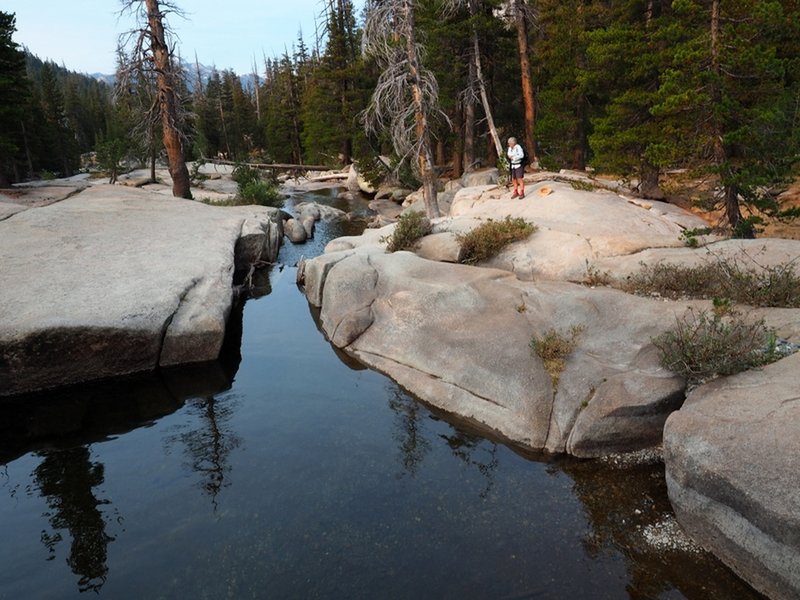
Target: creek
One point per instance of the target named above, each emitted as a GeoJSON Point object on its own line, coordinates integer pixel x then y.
{"type": "Point", "coordinates": [288, 470]}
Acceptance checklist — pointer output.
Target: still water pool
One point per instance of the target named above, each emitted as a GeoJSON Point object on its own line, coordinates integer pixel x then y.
{"type": "Point", "coordinates": [287, 470]}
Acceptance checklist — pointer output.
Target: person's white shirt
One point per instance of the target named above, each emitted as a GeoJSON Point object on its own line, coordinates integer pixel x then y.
{"type": "Point", "coordinates": [515, 155]}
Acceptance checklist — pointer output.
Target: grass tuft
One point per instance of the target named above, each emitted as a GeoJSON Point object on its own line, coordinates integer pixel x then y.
{"type": "Point", "coordinates": [554, 348]}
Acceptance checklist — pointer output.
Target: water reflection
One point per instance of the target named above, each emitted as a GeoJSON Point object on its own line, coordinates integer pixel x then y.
{"type": "Point", "coordinates": [408, 431]}
{"type": "Point", "coordinates": [67, 479]}
{"type": "Point", "coordinates": [475, 452]}
{"type": "Point", "coordinates": [93, 412]}
{"type": "Point", "coordinates": [209, 442]}
{"type": "Point", "coordinates": [628, 511]}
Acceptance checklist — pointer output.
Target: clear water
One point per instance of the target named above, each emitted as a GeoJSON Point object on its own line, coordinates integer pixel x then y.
{"type": "Point", "coordinates": [287, 470]}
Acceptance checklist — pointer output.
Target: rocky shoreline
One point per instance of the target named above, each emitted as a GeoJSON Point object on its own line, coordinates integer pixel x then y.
{"type": "Point", "coordinates": [115, 280]}
{"type": "Point", "coordinates": [458, 337]}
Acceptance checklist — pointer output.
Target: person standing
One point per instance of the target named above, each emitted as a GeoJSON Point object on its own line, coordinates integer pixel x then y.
{"type": "Point", "coordinates": [515, 157]}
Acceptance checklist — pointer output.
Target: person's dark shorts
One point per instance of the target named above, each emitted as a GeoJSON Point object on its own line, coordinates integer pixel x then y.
{"type": "Point", "coordinates": [517, 172]}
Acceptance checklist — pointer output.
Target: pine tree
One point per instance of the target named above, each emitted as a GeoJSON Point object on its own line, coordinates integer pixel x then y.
{"type": "Point", "coordinates": [731, 99]}
{"type": "Point", "coordinates": [14, 96]}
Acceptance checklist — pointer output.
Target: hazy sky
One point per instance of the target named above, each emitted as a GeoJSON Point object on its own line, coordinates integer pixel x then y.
{"type": "Point", "coordinates": [82, 34]}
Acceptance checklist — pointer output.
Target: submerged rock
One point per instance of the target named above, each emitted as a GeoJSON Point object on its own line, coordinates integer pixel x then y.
{"type": "Point", "coordinates": [117, 280]}
{"type": "Point", "coordinates": [731, 456]}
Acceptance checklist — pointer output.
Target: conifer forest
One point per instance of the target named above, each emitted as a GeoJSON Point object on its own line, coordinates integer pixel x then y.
{"type": "Point", "coordinates": [633, 88]}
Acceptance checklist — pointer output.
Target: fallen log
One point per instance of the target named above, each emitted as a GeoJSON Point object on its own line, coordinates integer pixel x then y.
{"type": "Point", "coordinates": [274, 166]}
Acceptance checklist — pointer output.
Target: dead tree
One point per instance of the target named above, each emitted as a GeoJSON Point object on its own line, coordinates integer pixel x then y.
{"type": "Point", "coordinates": [406, 94]}
{"type": "Point", "coordinates": [152, 52]}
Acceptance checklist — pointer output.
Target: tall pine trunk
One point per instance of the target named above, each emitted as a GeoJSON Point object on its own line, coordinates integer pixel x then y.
{"type": "Point", "coordinates": [730, 190]}
{"type": "Point", "coordinates": [469, 124]}
{"type": "Point", "coordinates": [168, 102]}
{"type": "Point", "coordinates": [425, 155]}
{"type": "Point", "coordinates": [525, 70]}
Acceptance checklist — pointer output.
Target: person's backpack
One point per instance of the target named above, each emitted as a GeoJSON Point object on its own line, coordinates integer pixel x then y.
{"type": "Point", "coordinates": [526, 160]}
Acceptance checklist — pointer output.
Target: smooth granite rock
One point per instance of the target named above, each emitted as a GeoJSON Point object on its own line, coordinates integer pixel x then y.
{"type": "Point", "coordinates": [117, 280]}
{"type": "Point", "coordinates": [732, 457]}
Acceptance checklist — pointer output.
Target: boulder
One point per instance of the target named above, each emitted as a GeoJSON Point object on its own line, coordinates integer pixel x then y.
{"type": "Point", "coordinates": [295, 231]}
{"type": "Point", "coordinates": [258, 241]}
{"type": "Point", "coordinates": [357, 184]}
{"type": "Point", "coordinates": [393, 193]}
{"type": "Point", "coordinates": [575, 227]}
{"type": "Point", "coordinates": [319, 212]}
{"type": "Point", "coordinates": [613, 396]}
{"type": "Point", "coordinates": [480, 177]}
{"type": "Point", "coordinates": [308, 224]}
{"type": "Point", "coordinates": [386, 208]}
{"type": "Point", "coordinates": [125, 281]}
{"type": "Point", "coordinates": [442, 247]}
{"type": "Point", "coordinates": [731, 456]}
{"type": "Point", "coordinates": [443, 199]}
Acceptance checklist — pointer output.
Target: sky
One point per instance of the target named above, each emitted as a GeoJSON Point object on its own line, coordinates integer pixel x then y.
{"type": "Point", "coordinates": [82, 34]}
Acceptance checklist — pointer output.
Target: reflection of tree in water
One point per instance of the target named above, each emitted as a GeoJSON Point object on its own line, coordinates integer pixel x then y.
{"type": "Point", "coordinates": [408, 431]}
{"type": "Point", "coordinates": [468, 448]}
{"type": "Point", "coordinates": [621, 503]}
{"type": "Point", "coordinates": [209, 444]}
{"type": "Point", "coordinates": [414, 446]}
{"type": "Point", "coordinates": [65, 478]}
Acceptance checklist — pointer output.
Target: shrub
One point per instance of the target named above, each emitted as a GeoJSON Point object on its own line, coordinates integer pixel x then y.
{"type": "Point", "coordinates": [244, 174]}
{"type": "Point", "coordinates": [261, 193]}
{"type": "Point", "coordinates": [410, 228]}
{"type": "Point", "coordinates": [673, 281]}
{"type": "Point", "coordinates": [775, 286]}
{"type": "Point", "coordinates": [702, 345]}
{"type": "Point", "coordinates": [554, 348]}
{"type": "Point", "coordinates": [489, 238]}
{"type": "Point", "coordinates": [689, 236]}
{"type": "Point", "coordinates": [595, 277]}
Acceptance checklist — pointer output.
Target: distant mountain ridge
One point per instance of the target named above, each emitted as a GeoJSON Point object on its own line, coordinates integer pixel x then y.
{"type": "Point", "coordinates": [248, 79]}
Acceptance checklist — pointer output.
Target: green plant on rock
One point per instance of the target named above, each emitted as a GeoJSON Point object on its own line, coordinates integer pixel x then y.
{"type": "Point", "coordinates": [702, 346]}
{"type": "Point", "coordinates": [261, 193]}
{"type": "Point", "coordinates": [689, 236]}
{"type": "Point", "coordinates": [553, 348]}
{"type": "Point", "coordinates": [489, 238]}
{"type": "Point", "coordinates": [582, 186]}
{"type": "Point", "coordinates": [410, 228]}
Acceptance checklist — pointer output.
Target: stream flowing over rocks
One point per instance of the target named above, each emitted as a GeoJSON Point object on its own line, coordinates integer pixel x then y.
{"type": "Point", "coordinates": [116, 280]}
{"type": "Point", "coordinates": [459, 338]}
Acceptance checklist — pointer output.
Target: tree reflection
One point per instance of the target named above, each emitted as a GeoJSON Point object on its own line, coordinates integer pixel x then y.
{"type": "Point", "coordinates": [622, 503]}
{"type": "Point", "coordinates": [408, 431]}
{"type": "Point", "coordinates": [66, 479]}
{"type": "Point", "coordinates": [413, 445]}
{"type": "Point", "coordinates": [469, 448]}
{"type": "Point", "coordinates": [208, 445]}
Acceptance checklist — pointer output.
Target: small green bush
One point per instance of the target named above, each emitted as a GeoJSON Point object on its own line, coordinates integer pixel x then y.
{"type": "Point", "coordinates": [554, 348]}
{"type": "Point", "coordinates": [244, 174]}
{"type": "Point", "coordinates": [702, 346]}
{"type": "Point", "coordinates": [689, 236]}
{"type": "Point", "coordinates": [410, 228]}
{"type": "Point", "coordinates": [489, 238]}
{"type": "Point", "coordinates": [261, 193]}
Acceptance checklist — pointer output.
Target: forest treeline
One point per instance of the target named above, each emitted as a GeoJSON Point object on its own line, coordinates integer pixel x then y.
{"type": "Point", "coordinates": [630, 87]}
